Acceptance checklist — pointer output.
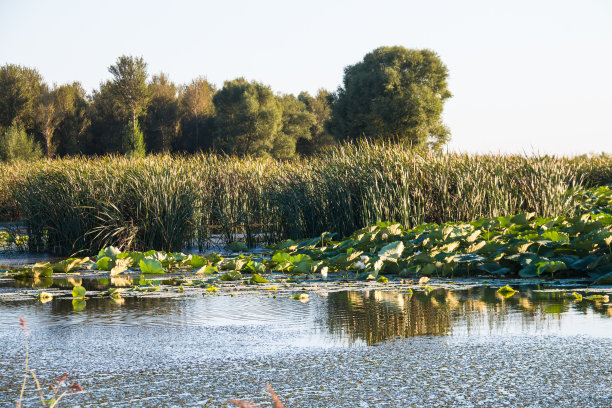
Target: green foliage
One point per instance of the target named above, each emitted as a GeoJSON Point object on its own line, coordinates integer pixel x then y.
{"type": "Point", "coordinates": [197, 116]}
{"type": "Point", "coordinates": [248, 118]}
{"type": "Point", "coordinates": [297, 122]}
{"type": "Point", "coordinates": [393, 94]}
{"type": "Point", "coordinates": [320, 138]}
{"type": "Point", "coordinates": [16, 145]}
{"type": "Point", "coordinates": [161, 122]}
{"type": "Point", "coordinates": [129, 85]}
{"type": "Point", "coordinates": [133, 141]}
{"type": "Point", "coordinates": [20, 89]}
{"type": "Point", "coordinates": [168, 203]}
{"type": "Point", "coordinates": [78, 292]}
{"type": "Point", "coordinates": [151, 266]}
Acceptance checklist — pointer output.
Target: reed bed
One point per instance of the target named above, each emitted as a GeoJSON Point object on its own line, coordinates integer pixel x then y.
{"type": "Point", "coordinates": [170, 202]}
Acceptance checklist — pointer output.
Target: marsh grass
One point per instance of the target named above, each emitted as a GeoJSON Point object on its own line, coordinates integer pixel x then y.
{"type": "Point", "coordinates": [170, 202]}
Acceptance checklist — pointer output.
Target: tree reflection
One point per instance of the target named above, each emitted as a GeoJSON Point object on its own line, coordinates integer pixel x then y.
{"type": "Point", "coordinates": [375, 316]}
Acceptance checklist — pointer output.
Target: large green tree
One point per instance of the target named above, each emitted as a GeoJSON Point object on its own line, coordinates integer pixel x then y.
{"type": "Point", "coordinates": [394, 94]}
{"type": "Point", "coordinates": [55, 105]}
{"type": "Point", "coordinates": [320, 138]}
{"type": "Point", "coordinates": [107, 126]}
{"type": "Point", "coordinates": [197, 113]}
{"type": "Point", "coordinates": [129, 85]}
{"type": "Point", "coordinates": [161, 122]}
{"type": "Point", "coordinates": [20, 89]}
{"type": "Point", "coordinates": [248, 118]}
{"type": "Point", "coordinates": [71, 130]}
{"type": "Point", "coordinates": [296, 124]}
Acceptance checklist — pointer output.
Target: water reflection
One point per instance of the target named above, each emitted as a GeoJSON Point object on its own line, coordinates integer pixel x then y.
{"type": "Point", "coordinates": [345, 317]}
{"type": "Point", "coordinates": [375, 316]}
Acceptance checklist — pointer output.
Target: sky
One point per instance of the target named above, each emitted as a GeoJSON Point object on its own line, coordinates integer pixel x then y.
{"type": "Point", "coordinates": [527, 76]}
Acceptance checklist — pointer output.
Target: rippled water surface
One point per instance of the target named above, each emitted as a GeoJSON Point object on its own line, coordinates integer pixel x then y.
{"type": "Point", "coordinates": [342, 349]}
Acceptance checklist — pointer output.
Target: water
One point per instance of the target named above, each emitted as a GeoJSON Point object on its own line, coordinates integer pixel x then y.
{"type": "Point", "coordinates": [370, 348]}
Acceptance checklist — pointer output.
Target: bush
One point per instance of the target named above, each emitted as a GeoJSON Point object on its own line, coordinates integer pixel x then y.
{"type": "Point", "coordinates": [15, 144]}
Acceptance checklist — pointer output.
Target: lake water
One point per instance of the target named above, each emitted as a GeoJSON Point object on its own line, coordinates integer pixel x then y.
{"type": "Point", "coordinates": [370, 348]}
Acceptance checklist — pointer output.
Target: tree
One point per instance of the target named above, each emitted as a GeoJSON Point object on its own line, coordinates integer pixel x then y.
{"type": "Point", "coordinates": [248, 117]}
{"type": "Point", "coordinates": [197, 111]}
{"type": "Point", "coordinates": [107, 127]}
{"type": "Point", "coordinates": [320, 138]}
{"type": "Point", "coordinates": [20, 89]}
{"type": "Point", "coordinates": [129, 85]}
{"type": "Point", "coordinates": [393, 94]}
{"type": "Point", "coordinates": [296, 124]}
{"type": "Point", "coordinates": [71, 131]}
{"type": "Point", "coordinates": [133, 141]}
{"type": "Point", "coordinates": [16, 144]}
{"type": "Point", "coordinates": [161, 122]}
{"type": "Point", "coordinates": [54, 106]}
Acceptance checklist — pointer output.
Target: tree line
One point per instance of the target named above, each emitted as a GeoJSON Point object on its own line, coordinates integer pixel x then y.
{"type": "Point", "coordinates": [394, 93]}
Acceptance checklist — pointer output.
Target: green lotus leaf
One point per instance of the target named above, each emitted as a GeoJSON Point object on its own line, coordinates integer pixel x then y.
{"type": "Point", "coordinates": [555, 236]}
{"type": "Point", "coordinates": [68, 265]}
{"type": "Point", "coordinates": [78, 292]}
{"type": "Point", "coordinates": [468, 258]}
{"type": "Point", "coordinates": [105, 263]}
{"type": "Point", "coordinates": [151, 266]}
{"type": "Point", "coordinates": [428, 270]}
{"type": "Point", "coordinates": [214, 258]}
{"type": "Point", "coordinates": [231, 276]}
{"type": "Point", "coordinates": [133, 255]}
{"type": "Point", "coordinates": [549, 266]}
{"type": "Point", "coordinates": [506, 291]}
{"type": "Point", "coordinates": [195, 261]}
{"type": "Point", "coordinates": [110, 252]}
{"type": "Point", "coordinates": [281, 257]}
{"type": "Point", "coordinates": [41, 269]}
{"type": "Point", "coordinates": [44, 297]}
{"type": "Point", "coordinates": [258, 278]}
{"type": "Point", "coordinates": [493, 268]}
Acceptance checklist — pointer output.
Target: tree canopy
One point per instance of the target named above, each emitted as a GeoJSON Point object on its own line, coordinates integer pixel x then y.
{"type": "Point", "coordinates": [248, 117]}
{"type": "Point", "coordinates": [393, 94]}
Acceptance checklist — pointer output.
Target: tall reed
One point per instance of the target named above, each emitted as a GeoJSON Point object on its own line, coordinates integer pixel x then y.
{"type": "Point", "coordinates": [169, 202]}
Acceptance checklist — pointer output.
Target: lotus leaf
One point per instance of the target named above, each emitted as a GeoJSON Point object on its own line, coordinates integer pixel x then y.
{"type": "Point", "coordinates": [195, 261]}
{"type": "Point", "coordinates": [214, 258]}
{"type": "Point", "coordinates": [110, 252]}
{"type": "Point", "coordinates": [506, 291]}
{"type": "Point", "coordinates": [42, 269]}
{"type": "Point", "coordinates": [105, 263]}
{"type": "Point", "coordinates": [68, 265]}
{"type": "Point", "coordinates": [258, 279]}
{"type": "Point", "coordinates": [151, 266]}
{"type": "Point", "coordinates": [206, 270]}
{"type": "Point", "coordinates": [549, 266]}
{"type": "Point", "coordinates": [231, 276]}
{"type": "Point", "coordinates": [78, 292]}
{"type": "Point", "coordinates": [44, 297]}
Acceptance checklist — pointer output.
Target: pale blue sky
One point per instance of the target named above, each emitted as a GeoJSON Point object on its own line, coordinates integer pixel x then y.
{"type": "Point", "coordinates": [526, 75]}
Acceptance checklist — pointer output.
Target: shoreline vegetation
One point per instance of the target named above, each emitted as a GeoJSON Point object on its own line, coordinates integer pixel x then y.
{"type": "Point", "coordinates": [453, 215]}
{"type": "Point", "coordinates": [79, 205]}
